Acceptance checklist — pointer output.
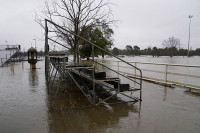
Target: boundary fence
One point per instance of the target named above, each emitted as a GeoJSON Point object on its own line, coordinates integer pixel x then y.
{"type": "Point", "coordinates": [163, 72]}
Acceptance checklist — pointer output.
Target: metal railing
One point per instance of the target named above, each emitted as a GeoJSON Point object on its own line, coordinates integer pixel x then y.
{"type": "Point", "coordinates": [164, 69]}
{"type": "Point", "coordinates": [7, 52]}
{"type": "Point", "coordinates": [47, 38]}
{"type": "Point", "coordinates": [8, 47]}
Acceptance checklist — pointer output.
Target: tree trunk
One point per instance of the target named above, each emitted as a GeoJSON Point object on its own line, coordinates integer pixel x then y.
{"type": "Point", "coordinates": [76, 41]}
{"type": "Point", "coordinates": [74, 56]}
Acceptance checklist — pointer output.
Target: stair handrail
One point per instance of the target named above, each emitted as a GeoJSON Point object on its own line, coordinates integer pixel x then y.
{"type": "Point", "coordinates": [93, 44]}
{"type": "Point", "coordinates": [94, 61]}
{"type": "Point", "coordinates": [11, 56]}
{"type": "Point", "coordinates": [56, 25]}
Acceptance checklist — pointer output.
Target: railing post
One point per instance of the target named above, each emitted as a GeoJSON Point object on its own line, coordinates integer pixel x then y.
{"type": "Point", "coordinates": [118, 68]}
{"type": "Point", "coordinates": [140, 87]}
{"type": "Point", "coordinates": [64, 60]}
{"type": "Point", "coordinates": [166, 71]}
{"type": "Point", "coordinates": [46, 49]}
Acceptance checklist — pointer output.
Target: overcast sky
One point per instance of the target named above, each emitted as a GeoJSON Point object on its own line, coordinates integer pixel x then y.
{"type": "Point", "coordinates": [141, 22]}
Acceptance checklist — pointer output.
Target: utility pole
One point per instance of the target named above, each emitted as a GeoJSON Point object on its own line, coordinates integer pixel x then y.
{"type": "Point", "coordinates": [188, 54]}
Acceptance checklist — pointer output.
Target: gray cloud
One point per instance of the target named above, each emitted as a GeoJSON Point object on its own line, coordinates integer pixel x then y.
{"type": "Point", "coordinates": [149, 22]}
{"type": "Point", "coordinates": [142, 22]}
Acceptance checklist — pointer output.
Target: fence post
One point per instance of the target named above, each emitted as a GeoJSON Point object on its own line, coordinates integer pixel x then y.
{"type": "Point", "coordinates": [166, 73]}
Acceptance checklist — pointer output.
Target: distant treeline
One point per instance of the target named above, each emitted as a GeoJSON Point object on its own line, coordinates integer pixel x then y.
{"type": "Point", "coordinates": [172, 51]}
{"type": "Point", "coordinates": [136, 51]}
{"type": "Point", "coordinates": [171, 48]}
{"type": "Point", "coordinates": [41, 53]}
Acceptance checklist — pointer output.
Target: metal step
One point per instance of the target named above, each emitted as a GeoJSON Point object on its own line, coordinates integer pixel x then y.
{"type": "Point", "coordinates": [98, 75]}
{"type": "Point", "coordinates": [116, 84]}
{"type": "Point", "coordinates": [59, 58]}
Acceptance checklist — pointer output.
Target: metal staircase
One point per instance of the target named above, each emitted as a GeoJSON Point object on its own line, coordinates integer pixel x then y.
{"type": "Point", "coordinates": [97, 86]}
{"type": "Point", "coordinates": [9, 54]}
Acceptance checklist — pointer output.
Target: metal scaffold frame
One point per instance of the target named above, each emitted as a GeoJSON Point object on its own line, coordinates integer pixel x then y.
{"type": "Point", "coordinates": [14, 54]}
{"type": "Point", "coordinates": [58, 64]}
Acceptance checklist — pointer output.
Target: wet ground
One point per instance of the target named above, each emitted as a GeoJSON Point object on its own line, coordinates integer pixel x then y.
{"type": "Point", "coordinates": [24, 108]}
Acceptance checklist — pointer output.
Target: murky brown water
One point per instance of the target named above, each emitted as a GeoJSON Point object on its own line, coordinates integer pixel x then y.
{"type": "Point", "coordinates": [24, 108]}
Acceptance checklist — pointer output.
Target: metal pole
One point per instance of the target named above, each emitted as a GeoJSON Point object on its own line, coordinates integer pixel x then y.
{"type": "Point", "coordinates": [46, 51]}
{"type": "Point", "coordinates": [188, 53]}
{"type": "Point", "coordinates": [51, 84]}
{"type": "Point", "coordinates": [54, 99]}
{"type": "Point", "coordinates": [93, 73]}
{"type": "Point", "coordinates": [140, 88]}
{"type": "Point", "coordinates": [50, 80]}
{"type": "Point", "coordinates": [118, 68]}
{"type": "Point", "coordinates": [77, 56]}
{"type": "Point", "coordinates": [166, 73]}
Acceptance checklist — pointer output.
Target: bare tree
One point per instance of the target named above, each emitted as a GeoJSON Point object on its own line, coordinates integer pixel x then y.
{"type": "Point", "coordinates": [73, 15]}
{"type": "Point", "coordinates": [171, 43]}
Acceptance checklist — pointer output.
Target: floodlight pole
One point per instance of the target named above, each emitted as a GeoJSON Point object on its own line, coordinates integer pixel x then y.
{"type": "Point", "coordinates": [188, 53]}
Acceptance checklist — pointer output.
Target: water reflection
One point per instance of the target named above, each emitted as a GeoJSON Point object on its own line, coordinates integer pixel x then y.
{"type": "Point", "coordinates": [12, 68]}
{"type": "Point", "coordinates": [64, 117]}
{"type": "Point", "coordinates": [93, 119]}
{"type": "Point", "coordinates": [33, 79]}
{"type": "Point", "coordinates": [23, 65]}
{"type": "Point", "coordinates": [193, 93]}
{"type": "Point", "coordinates": [165, 93]}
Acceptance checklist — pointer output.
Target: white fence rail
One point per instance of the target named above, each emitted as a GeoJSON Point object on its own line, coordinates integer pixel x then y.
{"type": "Point", "coordinates": [179, 74]}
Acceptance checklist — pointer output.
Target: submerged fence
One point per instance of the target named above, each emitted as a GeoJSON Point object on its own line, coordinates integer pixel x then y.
{"type": "Point", "coordinates": [179, 74]}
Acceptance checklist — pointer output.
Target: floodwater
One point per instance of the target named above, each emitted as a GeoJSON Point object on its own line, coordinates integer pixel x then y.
{"type": "Point", "coordinates": [150, 70]}
{"type": "Point", "coordinates": [4, 54]}
{"type": "Point", "coordinates": [24, 108]}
